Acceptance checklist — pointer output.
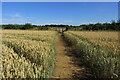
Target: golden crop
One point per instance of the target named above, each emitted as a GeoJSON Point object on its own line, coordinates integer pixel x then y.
{"type": "Point", "coordinates": [108, 40]}
{"type": "Point", "coordinates": [28, 54]}
{"type": "Point", "coordinates": [99, 50]}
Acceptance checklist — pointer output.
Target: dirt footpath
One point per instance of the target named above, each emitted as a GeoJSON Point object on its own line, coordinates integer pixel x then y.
{"type": "Point", "coordinates": [65, 66]}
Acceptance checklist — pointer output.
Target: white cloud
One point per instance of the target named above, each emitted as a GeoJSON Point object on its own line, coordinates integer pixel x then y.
{"type": "Point", "coordinates": [0, 21]}
{"type": "Point", "coordinates": [12, 21]}
{"type": "Point", "coordinates": [16, 15]}
{"type": "Point", "coordinates": [17, 19]}
{"type": "Point", "coordinates": [67, 21]}
{"type": "Point", "coordinates": [20, 19]}
{"type": "Point", "coordinates": [60, 21]}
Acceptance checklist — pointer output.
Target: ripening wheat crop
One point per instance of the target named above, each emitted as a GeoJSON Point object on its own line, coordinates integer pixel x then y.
{"type": "Point", "coordinates": [28, 54]}
{"type": "Point", "coordinates": [100, 50]}
{"type": "Point", "coordinates": [108, 40]}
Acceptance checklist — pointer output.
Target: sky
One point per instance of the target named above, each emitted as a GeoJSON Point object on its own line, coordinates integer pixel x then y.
{"type": "Point", "coordinates": [60, 0]}
{"type": "Point", "coordinates": [67, 13]}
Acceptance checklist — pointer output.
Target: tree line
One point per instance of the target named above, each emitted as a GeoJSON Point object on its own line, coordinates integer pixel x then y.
{"type": "Point", "coordinates": [90, 27]}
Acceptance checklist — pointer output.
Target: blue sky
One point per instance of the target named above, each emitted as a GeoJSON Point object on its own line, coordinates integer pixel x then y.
{"type": "Point", "coordinates": [60, 0]}
{"type": "Point", "coordinates": [68, 13]}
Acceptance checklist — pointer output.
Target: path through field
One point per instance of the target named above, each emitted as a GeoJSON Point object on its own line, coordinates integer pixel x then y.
{"type": "Point", "coordinates": [66, 63]}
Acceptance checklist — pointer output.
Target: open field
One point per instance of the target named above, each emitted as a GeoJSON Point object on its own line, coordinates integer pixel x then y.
{"type": "Point", "coordinates": [28, 53]}
{"type": "Point", "coordinates": [106, 39]}
{"type": "Point", "coordinates": [31, 54]}
{"type": "Point", "coordinates": [99, 50]}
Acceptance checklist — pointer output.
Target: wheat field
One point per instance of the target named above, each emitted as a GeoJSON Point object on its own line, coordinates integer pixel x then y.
{"type": "Point", "coordinates": [28, 54]}
{"type": "Point", "coordinates": [31, 54]}
{"type": "Point", "coordinates": [99, 50]}
{"type": "Point", "coordinates": [106, 39]}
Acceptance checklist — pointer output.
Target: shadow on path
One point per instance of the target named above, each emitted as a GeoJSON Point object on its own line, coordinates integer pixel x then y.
{"type": "Point", "coordinates": [84, 71]}
{"type": "Point", "coordinates": [68, 64]}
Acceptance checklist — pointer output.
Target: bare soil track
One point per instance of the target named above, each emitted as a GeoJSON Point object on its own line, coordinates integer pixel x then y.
{"type": "Point", "coordinates": [67, 65]}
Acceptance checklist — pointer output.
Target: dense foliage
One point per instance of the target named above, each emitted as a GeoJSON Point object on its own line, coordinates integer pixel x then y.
{"type": "Point", "coordinates": [90, 27]}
